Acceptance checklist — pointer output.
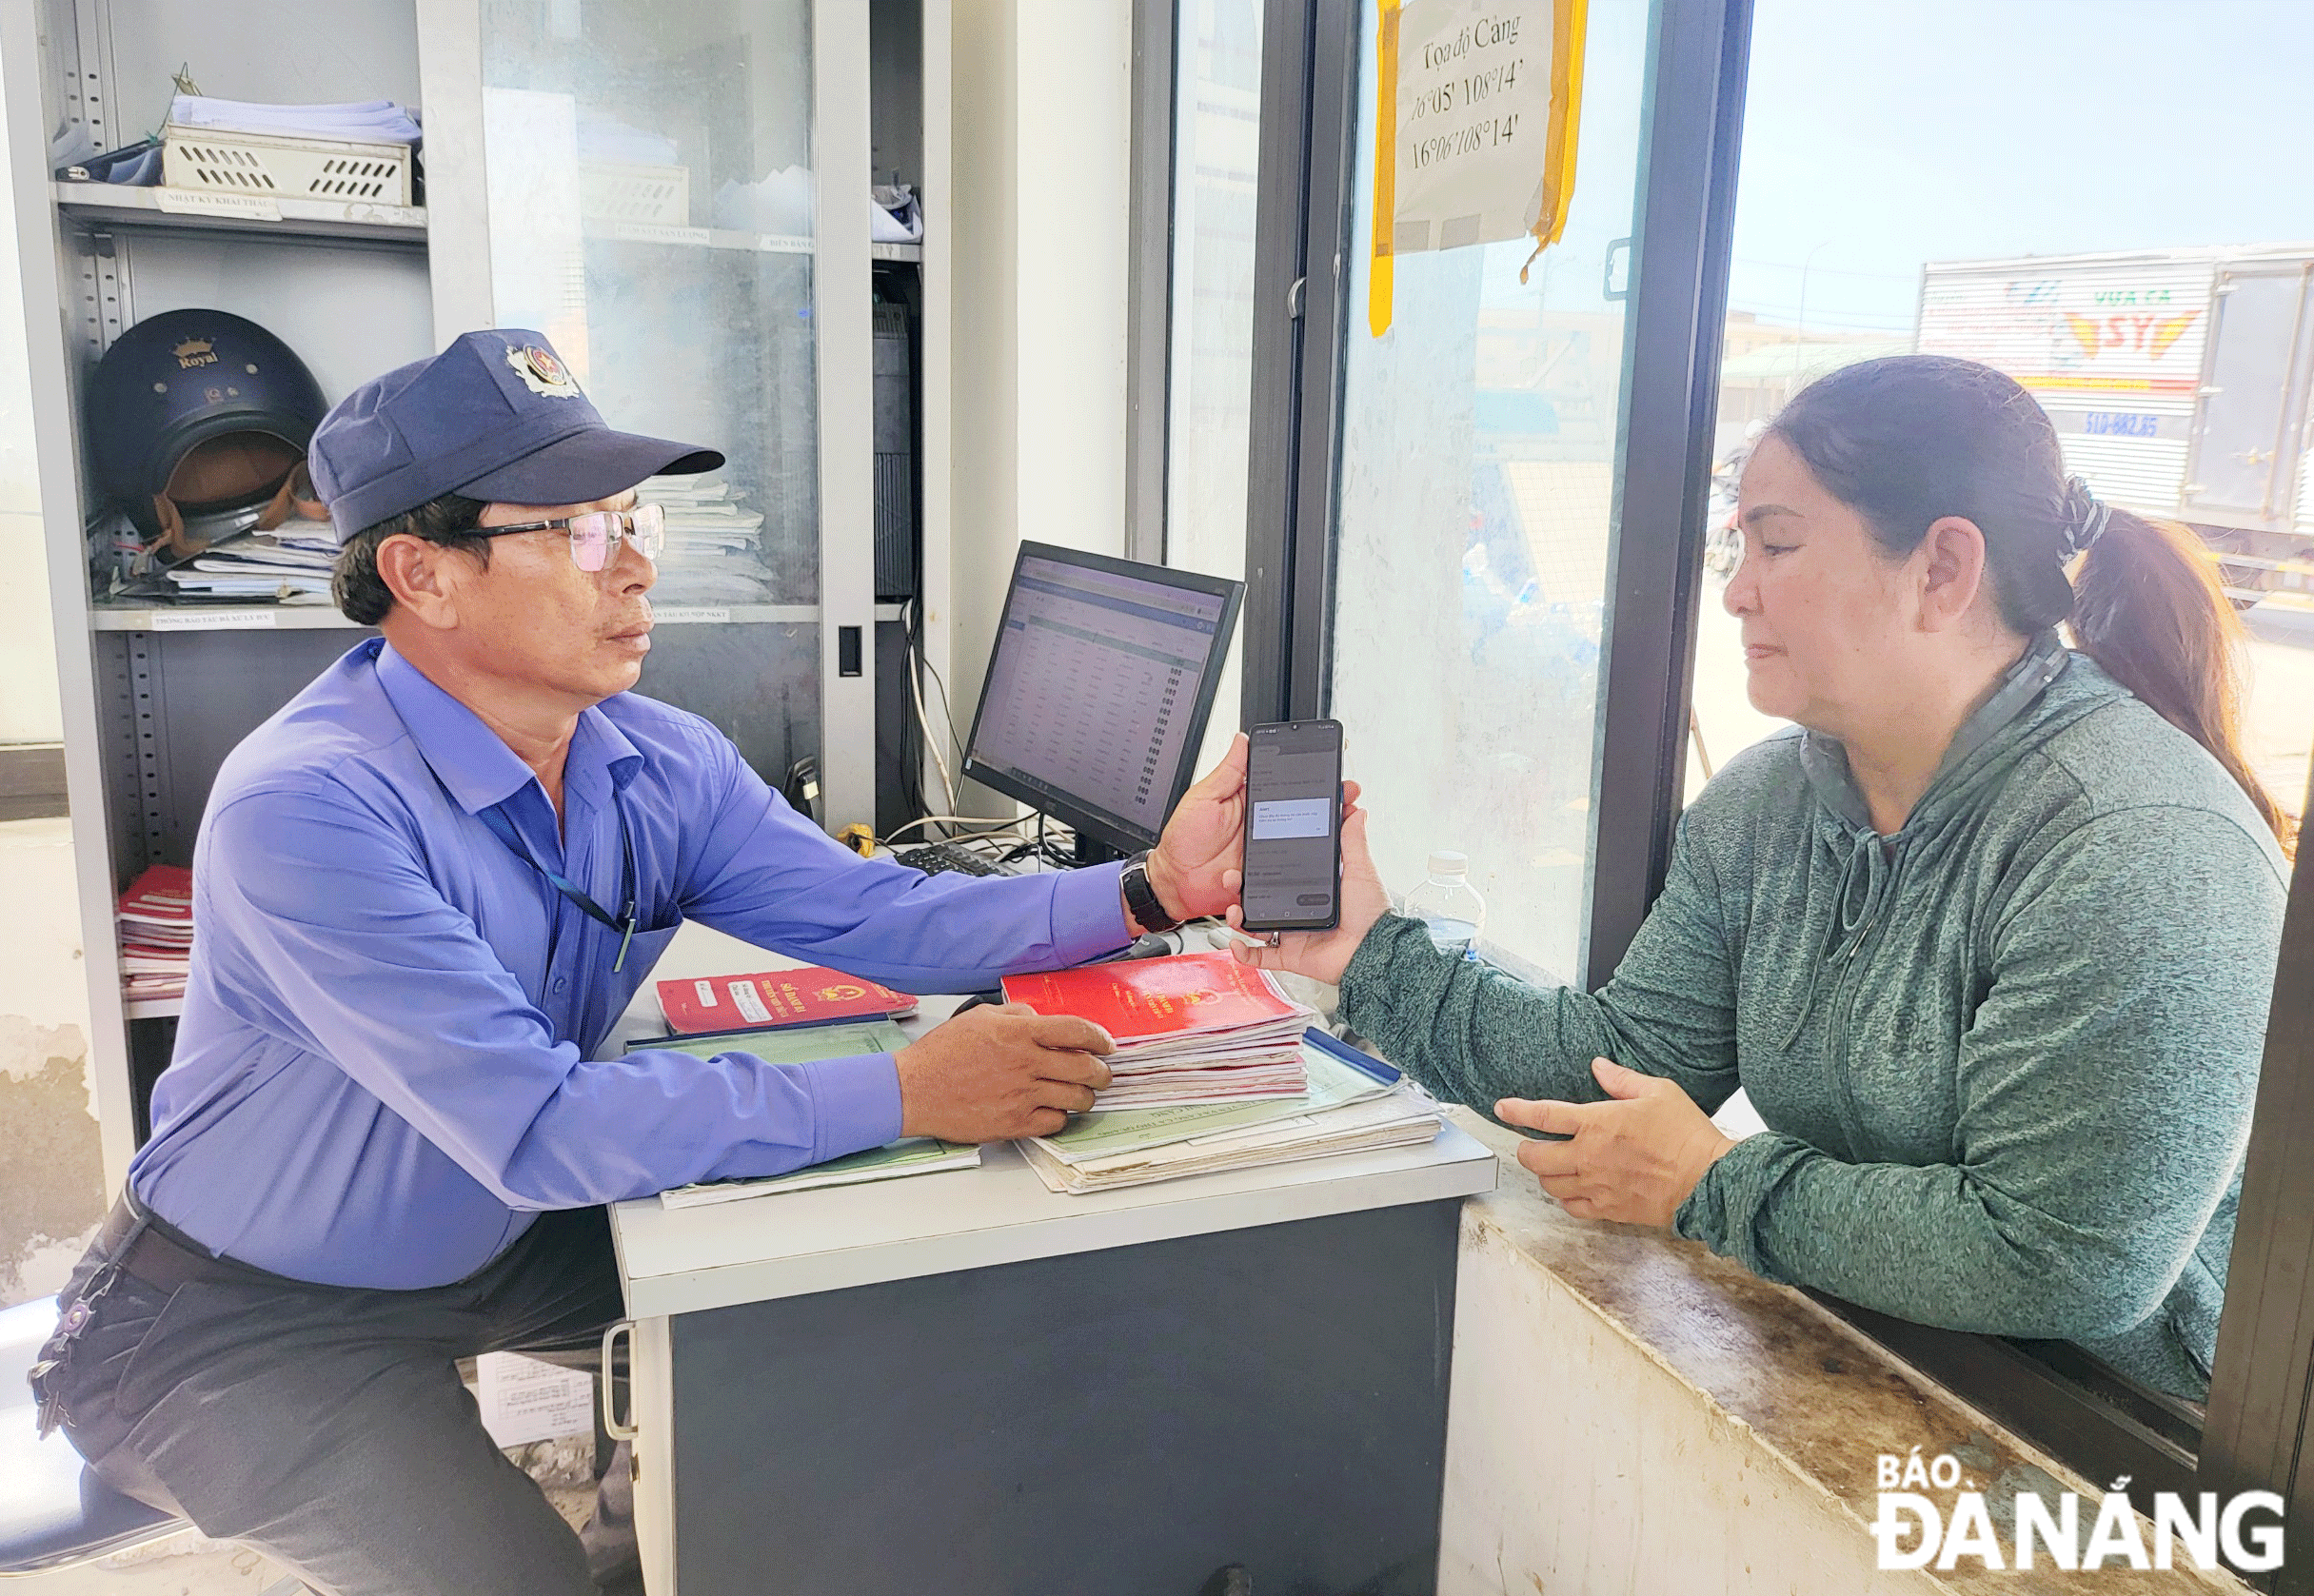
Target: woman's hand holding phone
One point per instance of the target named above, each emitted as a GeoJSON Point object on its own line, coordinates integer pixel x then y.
{"type": "Point", "coordinates": [1323, 955]}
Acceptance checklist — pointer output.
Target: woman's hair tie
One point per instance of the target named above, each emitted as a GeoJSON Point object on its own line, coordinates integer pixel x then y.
{"type": "Point", "coordinates": [2085, 519]}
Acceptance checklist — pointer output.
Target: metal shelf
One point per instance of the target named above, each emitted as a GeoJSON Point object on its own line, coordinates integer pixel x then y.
{"type": "Point", "coordinates": [153, 1007]}
{"type": "Point", "coordinates": [98, 207]}
{"type": "Point", "coordinates": [724, 238]}
{"type": "Point", "coordinates": [286, 617]}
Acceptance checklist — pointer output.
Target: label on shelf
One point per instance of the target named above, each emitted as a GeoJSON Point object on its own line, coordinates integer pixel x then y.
{"type": "Point", "coordinates": [211, 621]}
{"type": "Point", "coordinates": [678, 615]}
{"type": "Point", "coordinates": [658, 232]}
{"type": "Point", "coordinates": [203, 202]}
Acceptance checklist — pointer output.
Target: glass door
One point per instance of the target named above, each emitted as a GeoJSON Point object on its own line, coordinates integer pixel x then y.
{"type": "Point", "coordinates": [1479, 443]}
{"type": "Point", "coordinates": [646, 181]}
{"type": "Point", "coordinates": [650, 178]}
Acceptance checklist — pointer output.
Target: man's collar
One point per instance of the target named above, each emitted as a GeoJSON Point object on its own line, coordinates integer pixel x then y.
{"type": "Point", "coordinates": [472, 761]}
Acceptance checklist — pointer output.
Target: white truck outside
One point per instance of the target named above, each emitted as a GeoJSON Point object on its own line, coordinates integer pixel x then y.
{"type": "Point", "coordinates": [2178, 381]}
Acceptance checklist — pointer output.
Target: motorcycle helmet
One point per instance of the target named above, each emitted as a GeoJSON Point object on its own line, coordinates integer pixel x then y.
{"type": "Point", "coordinates": [197, 421]}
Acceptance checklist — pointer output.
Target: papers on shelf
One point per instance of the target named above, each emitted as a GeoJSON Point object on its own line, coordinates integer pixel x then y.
{"type": "Point", "coordinates": [155, 915]}
{"type": "Point", "coordinates": [1195, 1028]}
{"type": "Point", "coordinates": [291, 564]}
{"type": "Point", "coordinates": [896, 218]}
{"type": "Point", "coordinates": [714, 544]}
{"type": "Point", "coordinates": [1346, 1110]}
{"type": "Point", "coordinates": [344, 122]}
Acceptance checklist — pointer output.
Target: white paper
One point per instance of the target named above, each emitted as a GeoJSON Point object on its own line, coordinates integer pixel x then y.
{"type": "Point", "coordinates": [1474, 110]}
{"type": "Point", "coordinates": [523, 1400]}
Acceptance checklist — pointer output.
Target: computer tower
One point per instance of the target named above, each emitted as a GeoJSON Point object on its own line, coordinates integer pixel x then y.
{"type": "Point", "coordinates": [896, 515]}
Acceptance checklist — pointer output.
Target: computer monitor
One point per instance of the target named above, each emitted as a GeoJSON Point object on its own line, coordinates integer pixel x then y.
{"type": "Point", "coordinates": [1099, 689]}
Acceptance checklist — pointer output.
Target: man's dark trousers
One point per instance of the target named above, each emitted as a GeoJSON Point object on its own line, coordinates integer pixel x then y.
{"type": "Point", "coordinates": [326, 1426]}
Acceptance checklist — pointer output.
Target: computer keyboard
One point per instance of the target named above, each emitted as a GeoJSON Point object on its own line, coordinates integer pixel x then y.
{"type": "Point", "coordinates": [935, 857]}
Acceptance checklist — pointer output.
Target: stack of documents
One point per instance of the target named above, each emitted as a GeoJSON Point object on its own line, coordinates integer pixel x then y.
{"type": "Point", "coordinates": [1353, 1104]}
{"type": "Point", "coordinates": [1195, 1028]}
{"type": "Point", "coordinates": [346, 122]}
{"type": "Point", "coordinates": [156, 921]}
{"type": "Point", "coordinates": [909, 1155]}
{"type": "Point", "coordinates": [291, 564]}
{"type": "Point", "coordinates": [713, 553]}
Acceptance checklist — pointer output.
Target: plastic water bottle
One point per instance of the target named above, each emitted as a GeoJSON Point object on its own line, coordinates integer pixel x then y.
{"type": "Point", "coordinates": [1449, 905]}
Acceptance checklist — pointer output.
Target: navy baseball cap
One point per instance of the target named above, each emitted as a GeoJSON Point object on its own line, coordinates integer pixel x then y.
{"type": "Point", "coordinates": [496, 417]}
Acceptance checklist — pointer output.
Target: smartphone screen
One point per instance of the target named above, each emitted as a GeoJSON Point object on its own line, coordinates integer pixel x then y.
{"type": "Point", "coordinates": [1294, 826]}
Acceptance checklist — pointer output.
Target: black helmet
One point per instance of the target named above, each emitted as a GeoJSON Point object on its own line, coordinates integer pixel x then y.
{"type": "Point", "coordinates": [201, 407]}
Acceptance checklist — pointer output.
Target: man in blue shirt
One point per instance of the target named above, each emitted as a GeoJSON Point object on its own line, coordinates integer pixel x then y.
{"type": "Point", "coordinates": [424, 893]}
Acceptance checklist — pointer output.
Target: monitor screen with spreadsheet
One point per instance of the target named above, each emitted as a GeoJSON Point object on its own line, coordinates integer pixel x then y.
{"type": "Point", "coordinates": [1099, 689]}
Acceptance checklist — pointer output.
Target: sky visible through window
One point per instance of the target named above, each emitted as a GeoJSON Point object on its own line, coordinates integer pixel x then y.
{"type": "Point", "coordinates": [1879, 135]}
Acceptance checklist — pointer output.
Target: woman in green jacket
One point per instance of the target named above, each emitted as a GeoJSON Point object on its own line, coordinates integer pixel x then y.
{"type": "Point", "coordinates": [1988, 940]}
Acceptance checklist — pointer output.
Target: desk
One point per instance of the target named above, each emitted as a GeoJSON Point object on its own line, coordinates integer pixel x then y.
{"type": "Point", "coordinates": [962, 1383]}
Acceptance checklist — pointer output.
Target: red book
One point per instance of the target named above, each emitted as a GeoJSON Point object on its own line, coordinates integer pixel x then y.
{"type": "Point", "coordinates": [1146, 1000]}
{"type": "Point", "coordinates": [813, 995]}
{"type": "Point", "coordinates": [164, 892]}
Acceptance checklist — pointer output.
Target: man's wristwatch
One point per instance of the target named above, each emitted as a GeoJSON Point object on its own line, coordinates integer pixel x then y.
{"type": "Point", "coordinates": [1148, 912]}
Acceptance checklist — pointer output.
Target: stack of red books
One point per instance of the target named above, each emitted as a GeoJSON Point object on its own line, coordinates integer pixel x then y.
{"type": "Point", "coordinates": [156, 921]}
{"type": "Point", "coordinates": [1195, 1028]}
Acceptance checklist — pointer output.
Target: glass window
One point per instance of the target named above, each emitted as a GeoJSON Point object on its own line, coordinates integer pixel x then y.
{"type": "Point", "coordinates": [2114, 288]}
{"type": "Point", "coordinates": [1477, 459]}
{"type": "Point", "coordinates": [1217, 156]}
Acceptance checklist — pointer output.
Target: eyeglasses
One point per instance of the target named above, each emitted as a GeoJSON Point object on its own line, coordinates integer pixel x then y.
{"type": "Point", "coordinates": [594, 535]}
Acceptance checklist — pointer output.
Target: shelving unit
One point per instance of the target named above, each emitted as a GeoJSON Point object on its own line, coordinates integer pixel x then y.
{"type": "Point", "coordinates": [323, 618]}
{"type": "Point", "coordinates": [157, 694]}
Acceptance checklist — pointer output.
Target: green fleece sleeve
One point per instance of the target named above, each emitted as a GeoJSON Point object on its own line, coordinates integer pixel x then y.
{"type": "Point", "coordinates": [2104, 1092]}
{"type": "Point", "coordinates": [1473, 1034]}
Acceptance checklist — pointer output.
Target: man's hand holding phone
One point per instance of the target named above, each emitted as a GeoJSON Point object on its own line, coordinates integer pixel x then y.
{"type": "Point", "coordinates": [1296, 885]}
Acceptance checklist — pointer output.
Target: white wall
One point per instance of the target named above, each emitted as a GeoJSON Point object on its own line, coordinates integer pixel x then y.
{"type": "Point", "coordinates": [1042, 128]}
{"type": "Point", "coordinates": [51, 1170]}
{"type": "Point", "coordinates": [28, 706]}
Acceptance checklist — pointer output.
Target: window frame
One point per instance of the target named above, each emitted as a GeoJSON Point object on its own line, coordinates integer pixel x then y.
{"type": "Point", "coordinates": [2260, 1415]}
{"type": "Point", "coordinates": [1149, 276]}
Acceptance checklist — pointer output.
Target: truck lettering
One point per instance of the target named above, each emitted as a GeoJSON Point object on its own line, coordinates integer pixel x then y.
{"type": "Point", "coordinates": [2150, 333]}
{"type": "Point", "coordinates": [2114, 424]}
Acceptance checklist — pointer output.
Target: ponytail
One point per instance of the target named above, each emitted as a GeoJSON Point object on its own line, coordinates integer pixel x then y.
{"type": "Point", "coordinates": [2148, 606]}
{"type": "Point", "coordinates": [1910, 439]}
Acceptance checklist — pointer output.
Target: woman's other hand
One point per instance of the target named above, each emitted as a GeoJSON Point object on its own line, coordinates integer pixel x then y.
{"type": "Point", "coordinates": [1323, 955]}
{"type": "Point", "coordinates": [1635, 1157]}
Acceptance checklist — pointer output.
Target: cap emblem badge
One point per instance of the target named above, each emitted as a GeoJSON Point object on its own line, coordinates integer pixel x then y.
{"type": "Point", "coordinates": [194, 351]}
{"type": "Point", "coordinates": [542, 372]}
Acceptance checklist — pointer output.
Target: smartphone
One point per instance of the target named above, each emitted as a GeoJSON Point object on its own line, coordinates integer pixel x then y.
{"type": "Point", "coordinates": [1293, 827]}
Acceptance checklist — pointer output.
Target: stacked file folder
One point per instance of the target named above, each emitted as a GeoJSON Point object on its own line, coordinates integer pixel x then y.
{"type": "Point", "coordinates": [291, 564]}
{"type": "Point", "coordinates": [1352, 1104]}
{"type": "Point", "coordinates": [714, 554]}
{"type": "Point", "coordinates": [342, 122]}
{"type": "Point", "coordinates": [156, 925]}
{"type": "Point", "coordinates": [1197, 1027]}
